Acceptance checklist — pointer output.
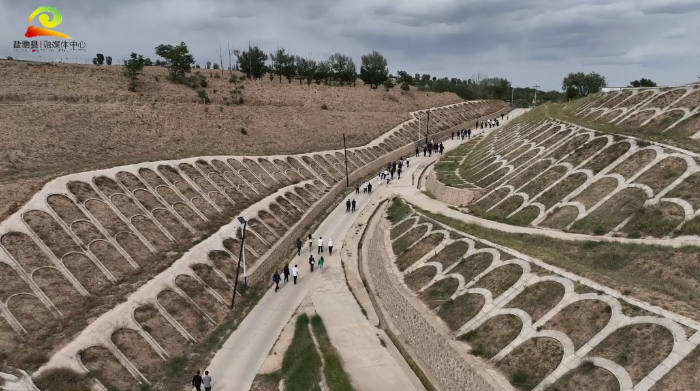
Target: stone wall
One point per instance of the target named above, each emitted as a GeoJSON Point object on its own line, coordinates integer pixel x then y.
{"type": "Point", "coordinates": [443, 360]}
{"type": "Point", "coordinates": [450, 195]}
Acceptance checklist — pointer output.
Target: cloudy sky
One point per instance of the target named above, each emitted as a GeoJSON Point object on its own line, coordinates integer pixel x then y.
{"type": "Point", "coordinates": [527, 41]}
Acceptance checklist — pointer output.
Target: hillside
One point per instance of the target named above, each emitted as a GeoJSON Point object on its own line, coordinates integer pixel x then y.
{"type": "Point", "coordinates": [62, 118]}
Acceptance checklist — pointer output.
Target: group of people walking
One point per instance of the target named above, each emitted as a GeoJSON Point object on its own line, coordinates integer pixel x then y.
{"type": "Point", "coordinates": [431, 148]}
{"type": "Point", "coordinates": [198, 381]}
{"type": "Point", "coordinates": [277, 278]}
{"type": "Point", "coordinates": [464, 133]}
{"type": "Point", "coordinates": [392, 168]}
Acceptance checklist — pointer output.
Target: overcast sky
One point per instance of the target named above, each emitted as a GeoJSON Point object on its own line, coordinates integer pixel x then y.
{"type": "Point", "coordinates": [527, 41]}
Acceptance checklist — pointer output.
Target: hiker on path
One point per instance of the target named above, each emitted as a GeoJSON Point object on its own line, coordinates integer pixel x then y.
{"type": "Point", "coordinates": [320, 244]}
{"type": "Point", "coordinates": [399, 172]}
{"type": "Point", "coordinates": [197, 382]}
{"type": "Point", "coordinates": [416, 151]}
{"type": "Point", "coordinates": [502, 115]}
{"type": "Point", "coordinates": [295, 273]}
{"type": "Point", "coordinates": [442, 149]}
{"type": "Point", "coordinates": [206, 379]}
{"type": "Point", "coordinates": [330, 246]}
{"type": "Point", "coordinates": [469, 133]}
{"type": "Point", "coordinates": [299, 244]}
{"type": "Point", "coordinates": [285, 271]}
{"type": "Point", "coordinates": [320, 264]}
{"type": "Point", "coordinates": [425, 151]}
{"type": "Point", "coordinates": [276, 279]}
{"type": "Point", "coordinates": [357, 190]}
{"type": "Point", "coordinates": [369, 188]}
{"type": "Point", "coordinates": [311, 242]}
{"type": "Point", "coordinates": [347, 206]}
{"type": "Point", "coordinates": [407, 163]}
{"type": "Point", "coordinates": [353, 209]}
{"type": "Point", "coordinates": [312, 262]}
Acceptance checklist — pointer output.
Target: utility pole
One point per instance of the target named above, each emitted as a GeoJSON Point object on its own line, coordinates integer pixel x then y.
{"type": "Point", "coordinates": [240, 259]}
{"type": "Point", "coordinates": [347, 178]}
{"type": "Point", "coordinates": [427, 128]}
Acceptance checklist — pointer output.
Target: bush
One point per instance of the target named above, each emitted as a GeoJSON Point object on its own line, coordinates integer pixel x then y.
{"type": "Point", "coordinates": [405, 86]}
{"type": "Point", "coordinates": [587, 366]}
{"type": "Point", "coordinates": [62, 379]}
{"type": "Point", "coordinates": [244, 131]}
{"type": "Point", "coordinates": [599, 231]}
{"type": "Point", "coordinates": [233, 79]}
{"type": "Point", "coordinates": [32, 358]}
{"type": "Point", "coordinates": [634, 235]}
{"type": "Point", "coordinates": [217, 76]}
{"type": "Point", "coordinates": [324, 107]}
{"type": "Point", "coordinates": [478, 351]}
{"type": "Point", "coordinates": [519, 378]}
{"type": "Point", "coordinates": [203, 96]}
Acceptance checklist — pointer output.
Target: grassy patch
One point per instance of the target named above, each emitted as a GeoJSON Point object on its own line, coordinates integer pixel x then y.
{"type": "Point", "coordinates": [398, 210]}
{"type": "Point", "coordinates": [653, 270]}
{"type": "Point", "coordinates": [301, 363]}
{"type": "Point", "coordinates": [336, 377]}
{"type": "Point", "coordinates": [62, 379]}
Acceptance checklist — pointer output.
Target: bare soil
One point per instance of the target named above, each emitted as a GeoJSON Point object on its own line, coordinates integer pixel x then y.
{"type": "Point", "coordinates": [639, 117]}
{"type": "Point", "coordinates": [543, 181]}
{"type": "Point", "coordinates": [560, 218]}
{"type": "Point", "coordinates": [613, 212]}
{"type": "Point", "coordinates": [500, 279]}
{"type": "Point", "coordinates": [607, 156]}
{"type": "Point", "coordinates": [426, 245]}
{"type": "Point", "coordinates": [105, 367]}
{"type": "Point", "coordinates": [666, 98]}
{"type": "Point", "coordinates": [538, 299]}
{"type": "Point", "coordinates": [589, 379]}
{"type": "Point", "coordinates": [473, 265]}
{"type": "Point", "coordinates": [568, 147]}
{"type": "Point", "coordinates": [450, 254]}
{"type": "Point", "coordinates": [638, 348]}
{"type": "Point", "coordinates": [439, 293]}
{"type": "Point", "coordinates": [634, 163]}
{"type": "Point", "coordinates": [525, 176]}
{"type": "Point", "coordinates": [214, 280]}
{"type": "Point", "coordinates": [418, 278]}
{"type": "Point", "coordinates": [456, 313]}
{"type": "Point", "coordinates": [586, 151]}
{"type": "Point", "coordinates": [138, 351]}
{"type": "Point", "coordinates": [596, 191]}
{"type": "Point", "coordinates": [184, 313]}
{"type": "Point", "coordinates": [680, 376]}
{"type": "Point", "coordinates": [531, 362]}
{"type": "Point", "coordinates": [493, 335]}
{"type": "Point", "coordinates": [561, 190]}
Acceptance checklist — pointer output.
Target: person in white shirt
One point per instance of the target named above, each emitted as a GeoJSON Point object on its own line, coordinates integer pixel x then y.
{"type": "Point", "coordinates": [320, 245]}
{"type": "Point", "coordinates": [330, 246]}
{"type": "Point", "coordinates": [206, 381]}
{"type": "Point", "coordinates": [295, 273]}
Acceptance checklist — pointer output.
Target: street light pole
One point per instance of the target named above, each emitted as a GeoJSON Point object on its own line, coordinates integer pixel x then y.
{"type": "Point", "coordinates": [427, 128]}
{"type": "Point", "coordinates": [512, 94]}
{"type": "Point", "coordinates": [347, 178]}
{"type": "Point", "coordinates": [534, 101]}
{"type": "Point", "coordinates": [240, 259]}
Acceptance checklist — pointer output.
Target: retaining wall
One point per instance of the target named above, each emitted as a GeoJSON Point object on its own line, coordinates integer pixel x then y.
{"type": "Point", "coordinates": [445, 363]}
{"type": "Point", "coordinates": [450, 195]}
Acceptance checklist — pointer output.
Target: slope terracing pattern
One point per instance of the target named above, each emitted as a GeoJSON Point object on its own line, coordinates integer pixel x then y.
{"type": "Point", "coordinates": [543, 327]}
{"type": "Point", "coordinates": [144, 255]}
{"type": "Point", "coordinates": [554, 174]}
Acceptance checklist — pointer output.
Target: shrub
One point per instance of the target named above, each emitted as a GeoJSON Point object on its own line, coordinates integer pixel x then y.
{"type": "Point", "coordinates": [405, 86]}
{"type": "Point", "coordinates": [587, 366]}
{"type": "Point", "coordinates": [233, 79]}
{"type": "Point", "coordinates": [147, 328]}
{"type": "Point", "coordinates": [177, 365]}
{"type": "Point", "coordinates": [62, 379]}
{"type": "Point", "coordinates": [599, 230]}
{"type": "Point", "coordinates": [478, 351]}
{"type": "Point", "coordinates": [519, 378]}
{"type": "Point", "coordinates": [634, 235]}
{"type": "Point", "coordinates": [203, 96]}
{"type": "Point", "coordinates": [32, 358]}
{"type": "Point", "coordinates": [324, 107]}
{"type": "Point", "coordinates": [217, 76]}
{"type": "Point", "coordinates": [244, 131]}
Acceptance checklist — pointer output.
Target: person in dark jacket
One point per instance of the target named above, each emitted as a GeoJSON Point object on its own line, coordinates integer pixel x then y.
{"type": "Point", "coordinates": [353, 205]}
{"type": "Point", "coordinates": [347, 206]}
{"type": "Point", "coordinates": [285, 271]}
{"type": "Point", "coordinates": [312, 262]}
{"type": "Point", "coordinates": [299, 244]}
{"type": "Point", "coordinates": [197, 382]}
{"type": "Point", "coordinates": [276, 279]}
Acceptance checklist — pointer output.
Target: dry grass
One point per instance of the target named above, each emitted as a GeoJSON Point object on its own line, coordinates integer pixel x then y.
{"type": "Point", "coordinates": [638, 348]}
{"type": "Point", "coordinates": [531, 362]}
{"type": "Point", "coordinates": [493, 335]}
{"type": "Point", "coordinates": [682, 375]}
{"type": "Point", "coordinates": [407, 258]}
{"type": "Point", "coordinates": [589, 378]}
{"type": "Point", "coordinates": [86, 118]}
{"type": "Point", "coordinates": [459, 311]}
{"type": "Point", "coordinates": [581, 320]}
{"type": "Point", "coordinates": [538, 299]}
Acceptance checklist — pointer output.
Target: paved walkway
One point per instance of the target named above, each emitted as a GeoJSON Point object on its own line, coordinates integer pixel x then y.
{"type": "Point", "coordinates": [370, 365]}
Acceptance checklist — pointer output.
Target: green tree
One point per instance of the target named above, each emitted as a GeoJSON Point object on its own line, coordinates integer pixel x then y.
{"type": "Point", "coordinates": [207, 65]}
{"type": "Point", "coordinates": [147, 62]}
{"type": "Point", "coordinates": [282, 63]}
{"type": "Point", "coordinates": [100, 58]}
{"type": "Point", "coordinates": [425, 78]}
{"type": "Point", "coordinates": [642, 83]}
{"type": "Point", "coordinates": [374, 69]}
{"type": "Point", "coordinates": [132, 69]}
{"type": "Point", "coordinates": [388, 84]}
{"type": "Point", "coordinates": [323, 72]}
{"type": "Point", "coordinates": [581, 84]}
{"type": "Point", "coordinates": [108, 60]}
{"type": "Point", "coordinates": [349, 72]}
{"type": "Point", "coordinates": [252, 62]}
{"type": "Point", "coordinates": [215, 66]}
{"type": "Point", "coordinates": [305, 69]}
{"type": "Point", "coordinates": [179, 60]}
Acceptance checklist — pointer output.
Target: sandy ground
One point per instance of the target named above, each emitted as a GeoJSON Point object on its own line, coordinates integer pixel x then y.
{"type": "Point", "coordinates": [61, 118]}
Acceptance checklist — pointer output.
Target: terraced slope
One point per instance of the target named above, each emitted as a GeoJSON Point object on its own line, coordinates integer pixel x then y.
{"type": "Point", "coordinates": [143, 255]}
{"type": "Point", "coordinates": [671, 112]}
{"type": "Point", "coordinates": [554, 174]}
{"type": "Point", "coordinates": [543, 327]}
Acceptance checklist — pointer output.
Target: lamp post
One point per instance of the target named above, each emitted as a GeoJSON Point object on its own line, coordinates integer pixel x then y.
{"type": "Point", "coordinates": [347, 178]}
{"type": "Point", "coordinates": [240, 260]}
{"type": "Point", "coordinates": [427, 128]}
{"type": "Point", "coordinates": [534, 100]}
{"type": "Point", "coordinates": [512, 94]}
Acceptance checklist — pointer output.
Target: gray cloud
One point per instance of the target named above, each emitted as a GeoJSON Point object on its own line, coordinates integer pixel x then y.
{"type": "Point", "coordinates": [529, 42]}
